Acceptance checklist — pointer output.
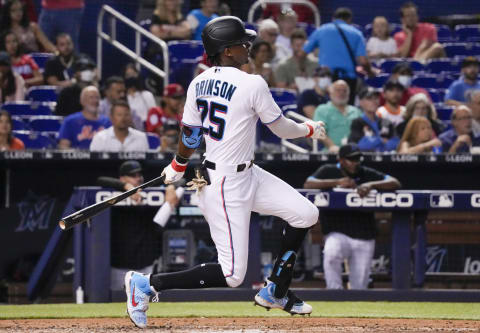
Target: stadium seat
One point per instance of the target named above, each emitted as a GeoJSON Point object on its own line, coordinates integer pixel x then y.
{"type": "Point", "coordinates": [145, 24]}
{"type": "Point", "coordinates": [289, 107]}
{"type": "Point", "coordinates": [41, 58]}
{"type": "Point", "coordinates": [45, 123]}
{"type": "Point", "coordinates": [460, 49]}
{"type": "Point", "coordinates": [18, 124]}
{"type": "Point", "coordinates": [377, 81]}
{"type": "Point", "coordinates": [444, 34]}
{"type": "Point", "coordinates": [387, 65]}
{"type": "Point", "coordinates": [436, 95]}
{"type": "Point", "coordinates": [284, 96]}
{"type": "Point", "coordinates": [468, 32]}
{"type": "Point", "coordinates": [35, 140]}
{"type": "Point", "coordinates": [437, 66]}
{"type": "Point", "coordinates": [153, 141]}
{"type": "Point", "coordinates": [24, 109]}
{"type": "Point", "coordinates": [443, 111]}
{"type": "Point", "coordinates": [432, 81]}
{"type": "Point", "coordinates": [42, 94]}
{"type": "Point", "coordinates": [184, 57]}
{"type": "Point", "coordinates": [251, 26]}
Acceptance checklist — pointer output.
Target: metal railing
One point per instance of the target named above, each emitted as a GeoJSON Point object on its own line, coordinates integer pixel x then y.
{"type": "Point", "coordinates": [258, 3]}
{"type": "Point", "coordinates": [134, 55]}
{"type": "Point", "coordinates": [297, 148]}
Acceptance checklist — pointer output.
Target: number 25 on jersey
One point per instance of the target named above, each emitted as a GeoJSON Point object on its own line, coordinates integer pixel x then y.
{"type": "Point", "coordinates": [213, 112]}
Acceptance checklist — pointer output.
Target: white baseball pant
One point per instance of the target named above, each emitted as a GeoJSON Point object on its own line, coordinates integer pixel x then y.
{"type": "Point", "coordinates": [358, 252]}
{"type": "Point", "coordinates": [228, 202]}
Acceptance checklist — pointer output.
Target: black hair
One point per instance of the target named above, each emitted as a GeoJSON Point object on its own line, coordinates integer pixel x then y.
{"type": "Point", "coordinates": [62, 35]}
{"type": "Point", "coordinates": [113, 79]}
{"type": "Point", "coordinates": [298, 34]}
{"type": "Point", "coordinates": [9, 118]}
{"type": "Point", "coordinates": [119, 103]}
{"type": "Point", "coordinates": [11, 87]}
{"type": "Point", "coordinates": [3, 44]}
{"type": "Point", "coordinates": [402, 67]}
{"type": "Point", "coordinates": [5, 20]}
{"type": "Point", "coordinates": [408, 4]}
{"type": "Point", "coordinates": [256, 47]}
{"type": "Point", "coordinates": [343, 13]}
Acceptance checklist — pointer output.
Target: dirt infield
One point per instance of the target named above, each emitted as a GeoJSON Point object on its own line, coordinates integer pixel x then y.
{"type": "Point", "coordinates": [247, 325]}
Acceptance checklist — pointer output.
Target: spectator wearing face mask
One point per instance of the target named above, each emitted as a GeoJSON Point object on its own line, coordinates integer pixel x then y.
{"type": "Point", "coordinates": [337, 116]}
{"type": "Point", "coordinates": [311, 98]}
{"type": "Point", "coordinates": [85, 74]}
{"type": "Point", "coordinates": [403, 73]}
{"type": "Point", "coordinates": [392, 110]}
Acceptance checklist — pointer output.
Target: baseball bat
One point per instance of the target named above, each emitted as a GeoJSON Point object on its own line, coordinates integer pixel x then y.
{"type": "Point", "coordinates": [95, 209]}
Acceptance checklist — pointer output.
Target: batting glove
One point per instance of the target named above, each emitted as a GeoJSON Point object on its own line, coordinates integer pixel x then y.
{"type": "Point", "coordinates": [316, 129]}
{"type": "Point", "coordinates": [174, 172]}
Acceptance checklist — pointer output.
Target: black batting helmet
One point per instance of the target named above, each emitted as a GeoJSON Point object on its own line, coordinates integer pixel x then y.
{"type": "Point", "coordinates": [223, 32]}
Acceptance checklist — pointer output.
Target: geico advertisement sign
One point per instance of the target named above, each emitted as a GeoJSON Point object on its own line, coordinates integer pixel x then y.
{"type": "Point", "coordinates": [151, 198]}
{"type": "Point", "coordinates": [387, 200]}
{"type": "Point", "coordinates": [475, 200]}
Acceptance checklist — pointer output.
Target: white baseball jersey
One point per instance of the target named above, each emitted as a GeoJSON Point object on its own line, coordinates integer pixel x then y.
{"type": "Point", "coordinates": [227, 102]}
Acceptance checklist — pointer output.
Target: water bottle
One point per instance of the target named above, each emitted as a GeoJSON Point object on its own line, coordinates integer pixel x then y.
{"type": "Point", "coordinates": [79, 295]}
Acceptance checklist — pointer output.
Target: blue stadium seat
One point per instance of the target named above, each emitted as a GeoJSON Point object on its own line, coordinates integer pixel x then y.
{"type": "Point", "coordinates": [290, 107]}
{"type": "Point", "coordinates": [284, 96]}
{"type": "Point", "coordinates": [41, 58]}
{"type": "Point", "coordinates": [18, 124]}
{"type": "Point", "coordinates": [35, 140]}
{"type": "Point", "coordinates": [145, 24]}
{"type": "Point", "coordinates": [460, 49]}
{"type": "Point", "coordinates": [468, 32]}
{"type": "Point", "coordinates": [437, 66]}
{"type": "Point", "coordinates": [432, 81]}
{"type": "Point", "coordinates": [42, 94]}
{"type": "Point", "coordinates": [24, 109]}
{"type": "Point", "coordinates": [387, 65]}
{"type": "Point", "coordinates": [444, 34]}
{"type": "Point", "coordinates": [153, 141]}
{"type": "Point", "coordinates": [45, 123]}
{"type": "Point", "coordinates": [184, 57]}
{"type": "Point", "coordinates": [252, 26]}
{"type": "Point", "coordinates": [436, 95]}
{"type": "Point", "coordinates": [377, 81]}
{"type": "Point", "coordinates": [443, 111]}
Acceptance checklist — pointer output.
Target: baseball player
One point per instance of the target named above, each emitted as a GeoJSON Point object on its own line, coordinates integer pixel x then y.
{"type": "Point", "coordinates": [349, 237]}
{"type": "Point", "coordinates": [223, 105]}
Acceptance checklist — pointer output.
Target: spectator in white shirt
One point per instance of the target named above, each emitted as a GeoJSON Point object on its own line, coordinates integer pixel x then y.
{"type": "Point", "coordinates": [381, 44]}
{"type": "Point", "coordinates": [120, 136]}
{"type": "Point", "coordinates": [287, 22]}
{"type": "Point", "coordinates": [140, 101]}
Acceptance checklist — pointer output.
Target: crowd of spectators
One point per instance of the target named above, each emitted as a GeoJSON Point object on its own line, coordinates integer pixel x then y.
{"type": "Point", "coordinates": [327, 69]}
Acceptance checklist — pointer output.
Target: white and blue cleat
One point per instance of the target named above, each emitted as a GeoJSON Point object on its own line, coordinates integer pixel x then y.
{"type": "Point", "coordinates": [290, 303]}
{"type": "Point", "coordinates": [137, 287]}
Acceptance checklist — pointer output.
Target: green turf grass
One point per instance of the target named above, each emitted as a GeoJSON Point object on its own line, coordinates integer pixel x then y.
{"type": "Point", "coordinates": [246, 309]}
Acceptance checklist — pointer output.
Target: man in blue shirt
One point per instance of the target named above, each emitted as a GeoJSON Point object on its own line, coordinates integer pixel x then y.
{"type": "Point", "coordinates": [460, 138]}
{"type": "Point", "coordinates": [198, 18]}
{"type": "Point", "coordinates": [78, 129]}
{"type": "Point", "coordinates": [456, 94]}
{"type": "Point", "coordinates": [333, 50]}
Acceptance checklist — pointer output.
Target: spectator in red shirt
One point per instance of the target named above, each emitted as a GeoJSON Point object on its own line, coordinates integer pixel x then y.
{"type": "Point", "coordinates": [22, 63]}
{"type": "Point", "coordinates": [417, 40]}
{"type": "Point", "coordinates": [171, 108]}
{"type": "Point", "coordinates": [403, 73]}
{"type": "Point", "coordinates": [7, 140]}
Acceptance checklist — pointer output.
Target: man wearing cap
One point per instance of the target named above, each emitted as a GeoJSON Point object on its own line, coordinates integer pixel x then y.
{"type": "Point", "coordinates": [135, 239]}
{"type": "Point", "coordinates": [311, 98]}
{"type": "Point", "coordinates": [84, 74]}
{"type": "Point", "coordinates": [370, 132]}
{"type": "Point", "coordinates": [456, 93]}
{"type": "Point", "coordinates": [171, 109]}
{"type": "Point", "coordinates": [349, 236]}
{"type": "Point", "coordinates": [392, 110]}
{"type": "Point", "coordinates": [120, 136]}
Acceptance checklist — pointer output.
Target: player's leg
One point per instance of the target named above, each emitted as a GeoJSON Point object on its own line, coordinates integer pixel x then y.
{"type": "Point", "coordinates": [275, 197]}
{"type": "Point", "coordinates": [335, 250]}
{"type": "Point", "coordinates": [361, 262]}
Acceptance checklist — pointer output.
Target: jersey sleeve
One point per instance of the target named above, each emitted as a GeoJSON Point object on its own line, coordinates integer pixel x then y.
{"type": "Point", "coordinates": [262, 101]}
{"type": "Point", "coordinates": [191, 114]}
{"type": "Point", "coordinates": [372, 175]}
{"type": "Point", "coordinates": [324, 172]}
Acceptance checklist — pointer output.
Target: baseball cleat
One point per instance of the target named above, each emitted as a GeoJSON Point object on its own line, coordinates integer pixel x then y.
{"type": "Point", "coordinates": [290, 303]}
{"type": "Point", "coordinates": [137, 287]}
